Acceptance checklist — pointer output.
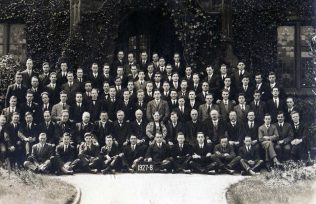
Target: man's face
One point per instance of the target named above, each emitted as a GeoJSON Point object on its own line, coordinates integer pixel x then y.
{"type": "Point", "coordinates": [65, 117]}
{"type": "Point", "coordinates": [181, 102]}
{"type": "Point", "coordinates": [214, 115]}
{"type": "Point", "coordinates": [112, 92]}
{"type": "Point", "coordinates": [150, 68]}
{"type": "Point", "coordinates": [180, 139]}
{"type": "Point", "coordinates": [166, 86]}
{"type": "Point", "coordinates": [158, 138]}
{"type": "Point", "coordinates": [106, 69]}
{"type": "Point", "coordinates": [18, 79]}
{"type": "Point", "coordinates": [106, 87]}
{"type": "Point", "coordinates": [140, 96]}
{"type": "Point", "coordinates": [162, 62]}
{"type": "Point", "coordinates": [79, 73]}
{"type": "Point", "coordinates": [94, 94]}
{"type": "Point", "coordinates": [94, 68]}
{"type": "Point", "coordinates": [272, 78]}
{"type": "Point", "coordinates": [196, 79]}
{"type": "Point", "coordinates": [176, 58]}
{"type": "Point", "coordinates": [28, 119]}
{"type": "Point", "coordinates": [2, 121]}
{"type": "Point", "coordinates": [118, 82]}
{"type": "Point", "coordinates": [130, 58]}
{"type": "Point", "coordinates": [53, 78]}
{"type": "Point", "coordinates": [173, 95]}
{"type": "Point", "coordinates": [130, 86]}
{"type": "Point", "coordinates": [156, 116]}
{"type": "Point", "coordinates": [78, 98]}
{"type": "Point", "coordinates": [280, 118]}
{"type": "Point", "coordinates": [139, 115]}
{"type": "Point", "coordinates": [192, 95]}
{"type": "Point", "coordinates": [188, 71]}
{"type": "Point", "coordinates": [13, 102]}
{"type": "Point", "coordinates": [66, 140]}
{"type": "Point", "coordinates": [119, 71]}
{"type": "Point", "coordinates": [120, 116]}
{"type": "Point", "coordinates": [141, 75]}
{"type": "Point", "coordinates": [184, 85]}
{"type": "Point", "coordinates": [144, 56]}
{"type": "Point", "coordinates": [157, 77]}
{"type": "Point", "coordinates": [175, 77]}
{"type": "Point", "coordinates": [223, 70]}
{"type": "Point", "coordinates": [295, 117]}
{"type": "Point", "coordinates": [275, 92]}
{"type": "Point", "coordinates": [289, 102]}
{"type": "Point", "coordinates": [233, 116]}
{"type": "Point", "coordinates": [88, 87]}
{"type": "Point", "coordinates": [174, 118]}
{"type": "Point", "coordinates": [241, 99]}
{"type": "Point", "coordinates": [209, 70]}
{"type": "Point", "coordinates": [134, 70]}
{"type": "Point", "coordinates": [47, 116]}
{"type": "Point", "coordinates": [15, 118]}
{"type": "Point", "coordinates": [149, 87]}
{"type": "Point", "coordinates": [224, 142]}
{"type": "Point", "coordinates": [200, 138]}
{"type": "Point", "coordinates": [225, 95]}
{"type": "Point", "coordinates": [194, 115]}
{"type": "Point", "coordinates": [108, 141]}
{"type": "Point", "coordinates": [157, 95]}
{"type": "Point", "coordinates": [63, 98]}
{"type": "Point", "coordinates": [29, 64]}
{"type": "Point", "coordinates": [241, 66]}
{"type": "Point", "coordinates": [245, 81]}
{"type": "Point", "coordinates": [42, 139]}
{"type": "Point", "coordinates": [70, 77]}
{"type": "Point", "coordinates": [205, 86]}
{"type": "Point", "coordinates": [126, 95]}
{"type": "Point", "coordinates": [257, 96]}
{"type": "Point", "coordinates": [133, 140]}
{"type": "Point", "coordinates": [85, 118]}
{"type": "Point", "coordinates": [120, 55]}
{"type": "Point", "coordinates": [227, 82]}
{"type": "Point", "coordinates": [88, 139]}
{"type": "Point", "coordinates": [29, 97]}
{"type": "Point", "coordinates": [34, 82]}
{"type": "Point", "coordinates": [258, 79]}
{"type": "Point", "coordinates": [104, 117]}
{"type": "Point", "coordinates": [251, 116]}
{"type": "Point", "coordinates": [267, 120]}
{"type": "Point", "coordinates": [209, 99]}
{"type": "Point", "coordinates": [155, 57]}
{"type": "Point", "coordinates": [169, 69]}
{"type": "Point", "coordinates": [63, 67]}
{"type": "Point", "coordinates": [46, 68]}
{"type": "Point", "coordinates": [247, 141]}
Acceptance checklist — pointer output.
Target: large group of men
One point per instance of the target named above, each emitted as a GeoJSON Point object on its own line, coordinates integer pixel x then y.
{"type": "Point", "coordinates": [116, 116]}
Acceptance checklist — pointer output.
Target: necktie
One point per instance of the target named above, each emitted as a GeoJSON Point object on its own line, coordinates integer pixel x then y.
{"type": "Point", "coordinates": [181, 147]}
{"type": "Point", "coordinates": [248, 148]}
{"type": "Point", "coordinates": [140, 104]}
{"type": "Point", "coordinates": [296, 127]}
{"type": "Point", "coordinates": [64, 106]}
{"type": "Point", "coordinates": [66, 148]}
{"type": "Point", "coordinates": [133, 147]}
{"type": "Point", "coordinates": [181, 108]}
{"type": "Point", "coordinates": [251, 125]}
{"type": "Point", "coordinates": [243, 107]}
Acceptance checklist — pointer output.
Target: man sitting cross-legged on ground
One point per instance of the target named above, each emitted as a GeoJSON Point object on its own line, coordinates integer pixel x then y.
{"type": "Point", "coordinates": [181, 155]}
{"type": "Point", "coordinates": [65, 155]}
{"type": "Point", "coordinates": [88, 156]}
{"type": "Point", "coordinates": [226, 156]}
{"type": "Point", "coordinates": [110, 156]}
{"type": "Point", "coordinates": [40, 159]}
{"type": "Point", "coordinates": [203, 161]}
{"type": "Point", "coordinates": [133, 154]}
{"type": "Point", "coordinates": [250, 160]}
{"type": "Point", "coordinates": [159, 154]}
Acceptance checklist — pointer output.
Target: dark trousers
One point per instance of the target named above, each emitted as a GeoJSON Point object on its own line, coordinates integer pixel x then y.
{"type": "Point", "coordinates": [283, 151]}
{"type": "Point", "coordinates": [270, 153]}
{"type": "Point", "coordinates": [159, 165]}
{"type": "Point", "coordinates": [115, 163]}
{"type": "Point", "coordinates": [229, 161]}
{"type": "Point", "coordinates": [181, 163]}
{"type": "Point", "coordinates": [203, 164]}
{"type": "Point", "coordinates": [85, 163]}
{"type": "Point", "coordinates": [299, 152]}
{"type": "Point", "coordinates": [254, 167]}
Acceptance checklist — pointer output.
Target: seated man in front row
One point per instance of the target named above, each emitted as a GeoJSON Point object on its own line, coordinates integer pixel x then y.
{"type": "Point", "coordinates": [40, 159]}
{"type": "Point", "coordinates": [159, 154]}
{"type": "Point", "coordinates": [88, 156]}
{"type": "Point", "coordinates": [250, 160]}
{"type": "Point", "coordinates": [226, 156]}
{"type": "Point", "coordinates": [202, 157]}
{"type": "Point", "coordinates": [181, 154]}
{"type": "Point", "coordinates": [65, 155]}
{"type": "Point", "coordinates": [110, 156]}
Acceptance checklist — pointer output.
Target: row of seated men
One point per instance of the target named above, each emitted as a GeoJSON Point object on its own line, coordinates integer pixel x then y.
{"type": "Point", "coordinates": [274, 142]}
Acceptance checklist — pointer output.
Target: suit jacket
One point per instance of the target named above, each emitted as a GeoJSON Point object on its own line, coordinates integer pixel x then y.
{"type": "Point", "coordinates": [128, 109]}
{"type": "Point", "coordinates": [61, 79]}
{"type": "Point", "coordinates": [101, 132]}
{"type": "Point", "coordinates": [62, 127]}
{"type": "Point", "coordinates": [242, 114]}
{"type": "Point", "coordinates": [190, 107]}
{"type": "Point", "coordinates": [264, 90]}
{"type": "Point", "coordinates": [96, 81]}
{"type": "Point", "coordinates": [122, 132]}
{"type": "Point", "coordinates": [13, 134]}
{"type": "Point", "coordinates": [57, 110]}
{"type": "Point", "coordinates": [178, 153]}
{"type": "Point", "coordinates": [236, 133]}
{"type": "Point", "coordinates": [42, 154]}
{"type": "Point", "coordinates": [215, 133]}
{"type": "Point", "coordinates": [82, 129]}
{"type": "Point", "coordinates": [71, 91]}
{"type": "Point", "coordinates": [111, 108]}
{"type": "Point", "coordinates": [53, 93]}
{"type": "Point", "coordinates": [252, 132]}
{"type": "Point", "coordinates": [248, 93]}
{"type": "Point", "coordinates": [162, 108]}
{"type": "Point", "coordinates": [158, 154]}
{"type": "Point", "coordinates": [34, 109]}
{"type": "Point", "coordinates": [207, 148]}
{"type": "Point", "coordinates": [50, 131]}
{"type": "Point", "coordinates": [130, 154]}
{"type": "Point", "coordinates": [76, 112]}
{"type": "Point", "coordinates": [88, 153]}
{"type": "Point", "coordinates": [110, 151]}
{"type": "Point", "coordinates": [260, 110]}
{"type": "Point", "coordinates": [191, 130]}
{"type": "Point", "coordinates": [14, 91]}
{"type": "Point", "coordinates": [213, 82]}
{"type": "Point", "coordinates": [252, 154]}
{"type": "Point", "coordinates": [183, 116]}
{"type": "Point", "coordinates": [29, 132]}
{"type": "Point", "coordinates": [27, 78]}
{"type": "Point", "coordinates": [94, 108]}
{"type": "Point", "coordinates": [273, 110]}
{"type": "Point", "coordinates": [172, 132]}
{"type": "Point", "coordinates": [42, 109]}
{"type": "Point", "coordinates": [236, 78]}
{"type": "Point", "coordinates": [301, 132]}
{"type": "Point", "coordinates": [65, 156]}
{"type": "Point", "coordinates": [204, 111]}
{"type": "Point", "coordinates": [264, 131]}
{"type": "Point", "coordinates": [139, 129]}
{"type": "Point", "coordinates": [8, 114]}
{"type": "Point", "coordinates": [229, 149]}
{"type": "Point", "coordinates": [138, 85]}
{"type": "Point", "coordinates": [285, 132]}
{"type": "Point", "coordinates": [197, 88]}
{"type": "Point", "coordinates": [223, 111]}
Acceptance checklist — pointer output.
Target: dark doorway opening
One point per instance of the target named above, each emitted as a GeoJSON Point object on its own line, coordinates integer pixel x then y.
{"type": "Point", "coordinates": [149, 31]}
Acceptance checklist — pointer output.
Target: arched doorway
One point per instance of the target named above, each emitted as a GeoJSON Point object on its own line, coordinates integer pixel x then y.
{"type": "Point", "coordinates": [147, 30]}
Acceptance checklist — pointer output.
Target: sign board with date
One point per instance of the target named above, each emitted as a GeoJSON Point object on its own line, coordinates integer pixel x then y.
{"type": "Point", "coordinates": [145, 168]}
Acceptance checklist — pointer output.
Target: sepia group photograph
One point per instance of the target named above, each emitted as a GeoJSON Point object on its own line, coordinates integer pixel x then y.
{"type": "Point", "coordinates": [157, 101]}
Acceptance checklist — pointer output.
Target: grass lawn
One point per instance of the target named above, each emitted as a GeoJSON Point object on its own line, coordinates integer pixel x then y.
{"type": "Point", "coordinates": [292, 186]}
{"type": "Point", "coordinates": [26, 187]}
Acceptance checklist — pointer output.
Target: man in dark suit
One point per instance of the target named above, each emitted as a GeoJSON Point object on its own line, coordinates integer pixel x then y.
{"type": "Point", "coordinates": [140, 103]}
{"type": "Point", "coordinates": [44, 76]}
{"type": "Point", "coordinates": [235, 131]}
{"type": "Point", "coordinates": [17, 89]}
{"type": "Point", "coordinates": [119, 61]}
{"type": "Point", "coordinates": [6, 144]}
{"type": "Point", "coordinates": [246, 88]}
{"type": "Point", "coordinates": [65, 125]}
{"type": "Point", "coordinates": [83, 127]}
{"type": "Point", "coordinates": [206, 108]}
{"type": "Point", "coordinates": [140, 83]}
{"type": "Point", "coordinates": [203, 161]}
{"type": "Point", "coordinates": [192, 127]}
{"type": "Point", "coordinates": [88, 157]}
{"type": "Point", "coordinates": [65, 155]}
{"type": "Point", "coordinates": [225, 105]}
{"type": "Point", "coordinates": [273, 83]}
{"type": "Point", "coordinates": [49, 128]}
{"type": "Point", "coordinates": [275, 104]}
{"type": "Point", "coordinates": [13, 129]}
{"type": "Point", "coordinates": [242, 108]}
{"type": "Point", "coordinates": [94, 107]}
{"type": "Point", "coordinates": [138, 128]}
{"type": "Point", "coordinates": [45, 105]}
{"type": "Point", "coordinates": [111, 105]}
{"type": "Point", "coordinates": [106, 76]}
{"type": "Point", "coordinates": [80, 79]}
{"type": "Point", "coordinates": [28, 133]}
{"type": "Point", "coordinates": [214, 128]}
{"type": "Point", "coordinates": [86, 94]}
{"type": "Point", "coordinates": [261, 87]}
{"type": "Point", "coordinates": [95, 77]}
{"type": "Point", "coordinates": [110, 156]}
{"type": "Point", "coordinates": [157, 105]}
{"type": "Point", "coordinates": [300, 142]}
{"type": "Point", "coordinates": [42, 154]}
{"type": "Point", "coordinates": [212, 80]}
{"type": "Point", "coordinates": [78, 108]}
{"type": "Point", "coordinates": [192, 103]}
{"type": "Point", "coordinates": [144, 62]}
{"type": "Point", "coordinates": [178, 66]}
{"type": "Point", "coordinates": [250, 160]}
{"type": "Point", "coordinates": [173, 101]}
{"type": "Point", "coordinates": [28, 73]}
{"type": "Point", "coordinates": [230, 88]}
{"type": "Point", "coordinates": [181, 155]}
{"type": "Point", "coordinates": [251, 128]}
{"type": "Point", "coordinates": [53, 88]}
{"type": "Point", "coordinates": [195, 86]}
{"type": "Point", "coordinates": [226, 156]}
{"type": "Point", "coordinates": [62, 74]}
{"type": "Point", "coordinates": [30, 106]}
{"type": "Point", "coordinates": [259, 107]}
{"type": "Point", "coordinates": [159, 154]}
{"type": "Point", "coordinates": [290, 107]}
{"type": "Point", "coordinates": [126, 105]}
{"type": "Point", "coordinates": [283, 144]}
{"type": "Point", "coordinates": [182, 110]}
{"type": "Point", "coordinates": [157, 81]}
{"type": "Point", "coordinates": [173, 128]}
{"type": "Point", "coordinates": [149, 76]}
{"type": "Point", "coordinates": [102, 128]}
{"type": "Point", "coordinates": [70, 88]}
{"type": "Point", "coordinates": [132, 154]}
{"type": "Point", "coordinates": [131, 62]}
{"type": "Point", "coordinates": [121, 129]}
{"type": "Point", "coordinates": [238, 75]}
{"type": "Point", "coordinates": [222, 75]}
{"type": "Point", "coordinates": [60, 107]}
{"type": "Point", "coordinates": [8, 112]}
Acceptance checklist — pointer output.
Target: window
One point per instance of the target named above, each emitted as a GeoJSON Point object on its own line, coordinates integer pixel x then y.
{"type": "Point", "coordinates": [296, 64]}
{"type": "Point", "coordinates": [12, 40]}
{"type": "Point", "coordinates": [137, 44]}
